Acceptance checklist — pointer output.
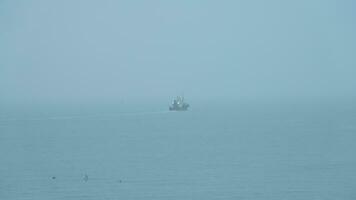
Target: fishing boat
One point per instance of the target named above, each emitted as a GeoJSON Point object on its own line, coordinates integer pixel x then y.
{"type": "Point", "coordinates": [178, 104]}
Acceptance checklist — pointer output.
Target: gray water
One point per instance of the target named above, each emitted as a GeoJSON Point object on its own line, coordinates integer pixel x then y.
{"type": "Point", "coordinates": [233, 152]}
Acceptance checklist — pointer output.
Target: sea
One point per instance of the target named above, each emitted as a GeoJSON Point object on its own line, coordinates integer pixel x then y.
{"type": "Point", "coordinates": [254, 151]}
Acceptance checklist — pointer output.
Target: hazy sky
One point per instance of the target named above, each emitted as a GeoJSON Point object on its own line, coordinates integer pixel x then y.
{"type": "Point", "coordinates": [106, 51]}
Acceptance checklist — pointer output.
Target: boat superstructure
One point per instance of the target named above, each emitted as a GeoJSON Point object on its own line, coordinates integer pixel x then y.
{"type": "Point", "coordinates": [178, 104]}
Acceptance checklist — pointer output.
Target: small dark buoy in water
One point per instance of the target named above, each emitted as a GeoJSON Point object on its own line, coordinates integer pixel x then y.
{"type": "Point", "coordinates": [120, 181]}
{"type": "Point", "coordinates": [86, 178]}
{"type": "Point", "coordinates": [53, 177]}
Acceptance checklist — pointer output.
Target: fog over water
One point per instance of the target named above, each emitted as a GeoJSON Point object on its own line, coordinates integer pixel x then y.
{"type": "Point", "coordinates": [85, 88]}
{"type": "Point", "coordinates": [108, 51]}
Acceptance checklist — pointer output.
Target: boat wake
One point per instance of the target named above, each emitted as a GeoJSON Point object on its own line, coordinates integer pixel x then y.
{"type": "Point", "coordinates": [88, 117]}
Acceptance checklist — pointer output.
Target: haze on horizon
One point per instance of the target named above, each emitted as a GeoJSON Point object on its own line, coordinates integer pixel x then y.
{"type": "Point", "coordinates": [105, 51]}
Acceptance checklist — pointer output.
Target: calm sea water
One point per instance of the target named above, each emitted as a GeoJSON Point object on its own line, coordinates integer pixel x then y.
{"type": "Point", "coordinates": [236, 152]}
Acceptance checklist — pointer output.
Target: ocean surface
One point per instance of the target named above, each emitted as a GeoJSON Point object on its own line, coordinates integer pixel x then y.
{"type": "Point", "coordinates": [222, 152]}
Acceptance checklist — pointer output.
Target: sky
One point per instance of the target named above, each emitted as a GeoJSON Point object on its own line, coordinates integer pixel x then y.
{"type": "Point", "coordinates": [59, 52]}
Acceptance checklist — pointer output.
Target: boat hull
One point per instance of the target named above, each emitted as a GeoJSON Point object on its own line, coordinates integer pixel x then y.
{"type": "Point", "coordinates": [177, 109]}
